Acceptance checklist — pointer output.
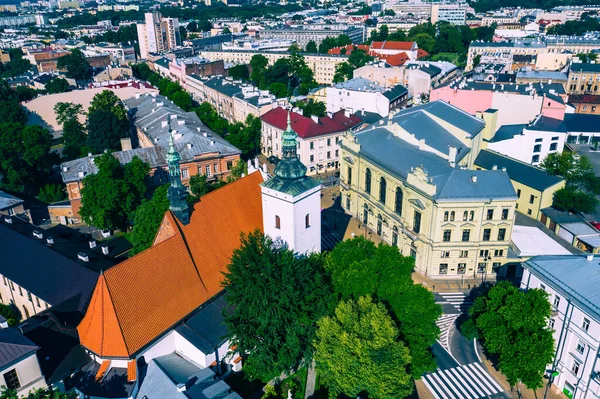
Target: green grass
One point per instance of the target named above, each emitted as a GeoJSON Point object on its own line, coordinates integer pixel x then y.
{"type": "Point", "coordinates": [450, 57]}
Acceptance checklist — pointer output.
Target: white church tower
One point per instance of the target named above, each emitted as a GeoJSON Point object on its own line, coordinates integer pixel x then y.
{"type": "Point", "coordinates": [291, 201]}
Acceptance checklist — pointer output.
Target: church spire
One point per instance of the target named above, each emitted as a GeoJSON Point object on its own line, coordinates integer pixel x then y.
{"type": "Point", "coordinates": [290, 166]}
{"type": "Point", "coordinates": [177, 193]}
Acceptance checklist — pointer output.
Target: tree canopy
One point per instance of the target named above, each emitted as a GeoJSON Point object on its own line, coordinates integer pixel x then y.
{"type": "Point", "coordinates": [276, 298]}
{"type": "Point", "coordinates": [110, 197]}
{"type": "Point", "coordinates": [74, 136]}
{"type": "Point", "coordinates": [582, 184]}
{"type": "Point", "coordinates": [57, 85]}
{"type": "Point", "coordinates": [359, 267]}
{"type": "Point", "coordinates": [107, 122]}
{"type": "Point", "coordinates": [41, 393]}
{"type": "Point", "coordinates": [76, 65]}
{"type": "Point", "coordinates": [358, 350]}
{"type": "Point", "coordinates": [513, 325]}
{"type": "Point", "coordinates": [147, 219]}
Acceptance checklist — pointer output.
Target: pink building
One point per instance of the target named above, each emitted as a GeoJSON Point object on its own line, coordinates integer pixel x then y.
{"type": "Point", "coordinates": [516, 104]}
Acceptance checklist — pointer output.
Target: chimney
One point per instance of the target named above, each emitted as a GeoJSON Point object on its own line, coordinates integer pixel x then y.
{"type": "Point", "coordinates": [490, 117]}
{"type": "Point", "coordinates": [105, 250]}
{"type": "Point", "coordinates": [83, 256]}
{"type": "Point", "coordinates": [504, 169]}
{"type": "Point", "coordinates": [64, 168]}
{"type": "Point", "coordinates": [421, 144]}
{"type": "Point", "coordinates": [126, 144]}
{"type": "Point", "coordinates": [8, 219]}
{"type": "Point", "coordinates": [315, 118]}
{"type": "Point", "coordinates": [452, 156]}
{"type": "Point", "coordinates": [89, 154]}
{"type": "Point", "coordinates": [473, 179]}
{"type": "Point", "coordinates": [38, 234]}
{"type": "Point", "coordinates": [181, 387]}
{"type": "Point", "coordinates": [495, 167]}
{"type": "Point", "coordinates": [590, 257]}
{"type": "Point", "coordinates": [92, 243]}
{"type": "Point", "coordinates": [50, 240]}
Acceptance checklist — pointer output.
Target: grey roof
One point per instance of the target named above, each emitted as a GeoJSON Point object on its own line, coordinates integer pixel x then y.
{"type": "Point", "coordinates": [114, 384]}
{"type": "Point", "coordinates": [584, 67]}
{"type": "Point", "coordinates": [572, 275]}
{"type": "Point", "coordinates": [368, 117]}
{"type": "Point", "coordinates": [554, 75]}
{"type": "Point", "coordinates": [585, 123]}
{"type": "Point", "coordinates": [360, 84]}
{"type": "Point", "coordinates": [395, 92]}
{"type": "Point", "coordinates": [382, 147]}
{"type": "Point", "coordinates": [560, 217]}
{"type": "Point", "coordinates": [163, 62]}
{"type": "Point", "coordinates": [206, 329]}
{"type": "Point", "coordinates": [14, 346]}
{"type": "Point", "coordinates": [192, 138]}
{"type": "Point", "coordinates": [166, 372]}
{"type": "Point", "coordinates": [545, 124]}
{"type": "Point", "coordinates": [449, 113]}
{"type": "Point", "coordinates": [522, 88]}
{"type": "Point", "coordinates": [579, 228]}
{"type": "Point", "coordinates": [223, 85]}
{"type": "Point", "coordinates": [41, 270]}
{"type": "Point", "coordinates": [507, 132]}
{"type": "Point", "coordinates": [8, 201]}
{"type": "Point", "coordinates": [518, 171]}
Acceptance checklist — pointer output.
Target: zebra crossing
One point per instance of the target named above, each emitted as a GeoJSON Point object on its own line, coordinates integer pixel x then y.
{"type": "Point", "coordinates": [469, 381]}
{"type": "Point", "coordinates": [445, 323]}
{"type": "Point", "coordinates": [458, 300]}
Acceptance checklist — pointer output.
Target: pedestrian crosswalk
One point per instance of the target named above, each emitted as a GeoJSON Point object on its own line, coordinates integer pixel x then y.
{"type": "Point", "coordinates": [469, 381]}
{"type": "Point", "coordinates": [445, 323]}
{"type": "Point", "coordinates": [458, 300]}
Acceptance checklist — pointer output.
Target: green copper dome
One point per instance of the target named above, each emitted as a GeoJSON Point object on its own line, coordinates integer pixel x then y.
{"type": "Point", "coordinates": [290, 166]}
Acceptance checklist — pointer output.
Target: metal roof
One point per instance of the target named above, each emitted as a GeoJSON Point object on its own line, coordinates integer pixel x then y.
{"type": "Point", "coordinates": [14, 346]}
{"type": "Point", "coordinates": [572, 275]}
{"type": "Point", "coordinates": [206, 328]}
{"type": "Point", "coordinates": [8, 201]}
{"type": "Point", "coordinates": [584, 123]}
{"type": "Point", "coordinates": [518, 171]}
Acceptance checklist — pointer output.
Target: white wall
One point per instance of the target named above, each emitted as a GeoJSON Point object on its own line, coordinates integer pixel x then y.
{"type": "Point", "coordinates": [515, 108]}
{"type": "Point", "coordinates": [522, 147]}
{"type": "Point", "coordinates": [354, 100]}
{"type": "Point", "coordinates": [292, 212]}
{"type": "Point", "coordinates": [29, 373]}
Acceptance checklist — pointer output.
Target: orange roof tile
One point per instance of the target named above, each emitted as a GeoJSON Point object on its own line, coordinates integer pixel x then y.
{"type": "Point", "coordinates": [422, 53]}
{"type": "Point", "coordinates": [392, 45]}
{"type": "Point", "coordinates": [396, 59]}
{"type": "Point", "coordinates": [141, 298]}
{"type": "Point", "coordinates": [102, 370]}
{"type": "Point", "coordinates": [131, 370]}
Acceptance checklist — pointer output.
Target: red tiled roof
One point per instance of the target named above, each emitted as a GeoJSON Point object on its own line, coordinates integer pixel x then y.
{"type": "Point", "coordinates": [307, 127]}
{"type": "Point", "coordinates": [584, 98]}
{"type": "Point", "coordinates": [138, 300]}
{"type": "Point", "coordinates": [392, 45]}
{"type": "Point", "coordinates": [102, 370]}
{"type": "Point", "coordinates": [396, 59]}
{"type": "Point", "coordinates": [421, 53]}
{"type": "Point", "coordinates": [349, 48]}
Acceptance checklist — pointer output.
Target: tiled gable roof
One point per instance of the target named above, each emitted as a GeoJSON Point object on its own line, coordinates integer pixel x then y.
{"type": "Point", "coordinates": [306, 127]}
{"type": "Point", "coordinates": [392, 45]}
{"type": "Point", "coordinates": [138, 300]}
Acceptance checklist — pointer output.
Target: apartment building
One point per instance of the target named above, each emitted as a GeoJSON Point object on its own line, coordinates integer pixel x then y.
{"type": "Point", "coordinates": [303, 35]}
{"type": "Point", "coordinates": [571, 282]}
{"type": "Point", "coordinates": [584, 78]}
{"type": "Point", "coordinates": [534, 46]}
{"type": "Point", "coordinates": [119, 53]}
{"type": "Point", "coordinates": [455, 13]}
{"type": "Point", "coordinates": [360, 94]}
{"type": "Point", "coordinates": [318, 137]}
{"type": "Point", "coordinates": [233, 100]}
{"type": "Point", "coordinates": [407, 182]}
{"type": "Point", "coordinates": [157, 34]}
{"type": "Point", "coordinates": [322, 65]}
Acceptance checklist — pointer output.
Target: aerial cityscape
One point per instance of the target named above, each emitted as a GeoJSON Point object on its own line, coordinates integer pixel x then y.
{"type": "Point", "coordinates": [299, 199]}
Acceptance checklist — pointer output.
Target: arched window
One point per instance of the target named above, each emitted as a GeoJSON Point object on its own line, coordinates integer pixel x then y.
{"type": "Point", "coordinates": [368, 181]}
{"type": "Point", "coordinates": [379, 225]}
{"type": "Point", "coordinates": [452, 216]}
{"type": "Point", "coordinates": [446, 216]}
{"type": "Point", "coordinates": [307, 220]}
{"type": "Point", "coordinates": [382, 190]}
{"type": "Point", "coordinates": [277, 222]}
{"type": "Point", "coordinates": [395, 237]}
{"type": "Point", "coordinates": [465, 216]}
{"type": "Point", "coordinates": [398, 203]}
{"type": "Point", "coordinates": [366, 215]}
{"type": "Point", "coordinates": [472, 216]}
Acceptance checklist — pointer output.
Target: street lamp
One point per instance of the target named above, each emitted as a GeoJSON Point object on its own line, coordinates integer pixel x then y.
{"type": "Point", "coordinates": [334, 212]}
{"type": "Point", "coordinates": [550, 374]}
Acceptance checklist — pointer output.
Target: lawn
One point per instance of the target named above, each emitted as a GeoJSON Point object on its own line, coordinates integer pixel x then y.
{"type": "Point", "coordinates": [450, 57]}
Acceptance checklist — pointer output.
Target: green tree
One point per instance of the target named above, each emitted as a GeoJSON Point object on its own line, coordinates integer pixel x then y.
{"type": "Point", "coordinates": [10, 109]}
{"type": "Point", "coordinates": [276, 297]}
{"type": "Point", "coordinates": [147, 219]}
{"type": "Point", "coordinates": [24, 155]}
{"type": "Point", "coordinates": [110, 197]}
{"type": "Point", "coordinates": [41, 393]}
{"type": "Point", "coordinates": [199, 185]}
{"type": "Point", "coordinates": [247, 137]}
{"type": "Point", "coordinates": [258, 64]}
{"type": "Point", "coordinates": [359, 268]}
{"type": "Point", "coordinates": [311, 47]}
{"type": "Point", "coordinates": [76, 65]}
{"type": "Point", "coordinates": [239, 72]}
{"type": "Point", "coordinates": [358, 350]}
{"type": "Point", "coordinates": [57, 85]}
{"type": "Point", "coordinates": [74, 139]}
{"type": "Point", "coordinates": [239, 169]}
{"type": "Point", "coordinates": [424, 41]}
{"type": "Point", "coordinates": [183, 100]}
{"type": "Point", "coordinates": [389, 12]}
{"type": "Point", "coordinates": [573, 200]}
{"type": "Point", "coordinates": [278, 89]}
{"type": "Point", "coordinates": [107, 122]}
{"type": "Point", "coordinates": [51, 193]}
{"type": "Point", "coordinates": [312, 107]}
{"type": "Point", "coordinates": [65, 111]}
{"type": "Point", "coordinates": [513, 325]}
{"type": "Point", "coordinates": [25, 93]}
{"type": "Point", "coordinates": [11, 314]}
{"type": "Point", "coordinates": [16, 66]}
